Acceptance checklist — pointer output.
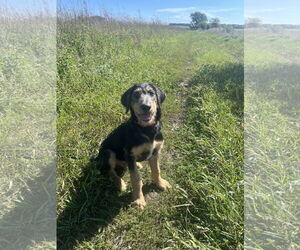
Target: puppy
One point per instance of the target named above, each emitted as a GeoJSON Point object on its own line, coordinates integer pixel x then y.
{"type": "Point", "coordinates": [138, 139]}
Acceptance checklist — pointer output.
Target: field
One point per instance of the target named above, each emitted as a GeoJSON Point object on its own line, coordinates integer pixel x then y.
{"type": "Point", "coordinates": [217, 169]}
{"type": "Point", "coordinates": [272, 139]}
{"type": "Point", "coordinates": [27, 132]}
{"type": "Point", "coordinates": [202, 74]}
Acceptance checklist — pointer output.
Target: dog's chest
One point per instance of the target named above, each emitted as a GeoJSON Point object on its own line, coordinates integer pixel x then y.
{"type": "Point", "coordinates": [145, 151]}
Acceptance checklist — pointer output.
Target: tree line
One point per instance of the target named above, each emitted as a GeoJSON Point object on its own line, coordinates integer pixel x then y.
{"type": "Point", "coordinates": [200, 21]}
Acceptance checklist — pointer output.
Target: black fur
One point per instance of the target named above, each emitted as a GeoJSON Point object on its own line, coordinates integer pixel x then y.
{"type": "Point", "coordinates": [130, 134]}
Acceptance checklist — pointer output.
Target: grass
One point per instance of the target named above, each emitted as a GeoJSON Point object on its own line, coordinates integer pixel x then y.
{"type": "Point", "coordinates": [202, 156]}
{"type": "Point", "coordinates": [210, 169]}
{"type": "Point", "coordinates": [27, 131]}
{"type": "Point", "coordinates": [271, 140]}
{"type": "Point", "coordinates": [203, 127]}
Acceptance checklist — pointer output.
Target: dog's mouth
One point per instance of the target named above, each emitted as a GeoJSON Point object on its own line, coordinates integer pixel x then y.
{"type": "Point", "coordinates": [146, 117]}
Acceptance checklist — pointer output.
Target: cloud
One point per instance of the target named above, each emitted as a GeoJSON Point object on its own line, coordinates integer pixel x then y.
{"type": "Point", "coordinates": [262, 14]}
{"type": "Point", "coordinates": [176, 10]}
{"type": "Point", "coordinates": [184, 17]}
{"type": "Point", "coordinates": [209, 15]}
{"type": "Point", "coordinates": [254, 11]}
{"type": "Point", "coordinates": [263, 19]}
{"type": "Point", "coordinates": [183, 14]}
{"type": "Point", "coordinates": [221, 10]}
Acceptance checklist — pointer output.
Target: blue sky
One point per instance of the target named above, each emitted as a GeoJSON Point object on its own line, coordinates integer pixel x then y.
{"type": "Point", "coordinates": [274, 11]}
{"type": "Point", "coordinates": [228, 11]}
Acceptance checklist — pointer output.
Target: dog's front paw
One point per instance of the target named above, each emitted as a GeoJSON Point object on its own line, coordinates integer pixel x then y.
{"type": "Point", "coordinates": [163, 184]}
{"type": "Point", "coordinates": [141, 203]}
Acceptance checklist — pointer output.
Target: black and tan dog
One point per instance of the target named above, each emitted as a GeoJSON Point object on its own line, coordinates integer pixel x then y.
{"type": "Point", "coordinates": [138, 139]}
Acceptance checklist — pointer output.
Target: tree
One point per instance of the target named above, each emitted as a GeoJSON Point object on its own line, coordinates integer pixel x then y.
{"type": "Point", "coordinates": [199, 21]}
{"type": "Point", "coordinates": [214, 22]}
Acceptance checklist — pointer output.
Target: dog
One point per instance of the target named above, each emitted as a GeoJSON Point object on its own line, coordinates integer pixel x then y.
{"type": "Point", "coordinates": [136, 140]}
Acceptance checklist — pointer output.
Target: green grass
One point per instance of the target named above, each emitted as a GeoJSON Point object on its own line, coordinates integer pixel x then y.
{"type": "Point", "coordinates": [203, 128]}
{"type": "Point", "coordinates": [272, 139]}
{"type": "Point", "coordinates": [202, 156]}
{"type": "Point", "coordinates": [210, 170]}
{"type": "Point", "coordinates": [27, 131]}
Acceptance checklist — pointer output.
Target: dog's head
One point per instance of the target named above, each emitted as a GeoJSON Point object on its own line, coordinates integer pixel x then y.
{"type": "Point", "coordinates": [144, 100]}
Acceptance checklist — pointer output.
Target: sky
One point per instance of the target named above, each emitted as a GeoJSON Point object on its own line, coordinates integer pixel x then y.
{"type": "Point", "coordinates": [178, 11]}
{"type": "Point", "coordinates": [274, 11]}
{"type": "Point", "coordinates": [171, 11]}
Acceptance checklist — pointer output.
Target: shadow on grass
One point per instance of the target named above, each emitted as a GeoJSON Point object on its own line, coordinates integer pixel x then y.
{"type": "Point", "coordinates": [33, 217]}
{"type": "Point", "coordinates": [227, 79]}
{"type": "Point", "coordinates": [279, 82]}
{"type": "Point", "coordinates": [93, 205]}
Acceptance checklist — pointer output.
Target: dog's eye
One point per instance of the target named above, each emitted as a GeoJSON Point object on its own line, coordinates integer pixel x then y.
{"type": "Point", "coordinates": [151, 93]}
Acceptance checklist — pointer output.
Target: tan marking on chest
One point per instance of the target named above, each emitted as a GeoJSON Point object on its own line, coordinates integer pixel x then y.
{"type": "Point", "coordinates": [145, 151]}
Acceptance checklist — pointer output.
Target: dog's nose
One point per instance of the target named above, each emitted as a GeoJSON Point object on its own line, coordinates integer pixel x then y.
{"type": "Point", "coordinates": [145, 107]}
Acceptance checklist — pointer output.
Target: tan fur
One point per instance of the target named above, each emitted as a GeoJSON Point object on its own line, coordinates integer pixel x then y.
{"type": "Point", "coordinates": [148, 88]}
{"type": "Point", "coordinates": [146, 147]}
{"type": "Point", "coordinates": [124, 164]}
{"type": "Point", "coordinates": [155, 169]}
{"type": "Point", "coordinates": [113, 162]}
{"type": "Point", "coordinates": [143, 105]}
{"type": "Point", "coordinates": [137, 151]}
{"type": "Point", "coordinates": [137, 109]}
{"type": "Point", "coordinates": [137, 185]}
{"type": "Point", "coordinates": [138, 90]}
{"type": "Point", "coordinates": [153, 103]}
{"type": "Point", "coordinates": [153, 107]}
{"type": "Point", "coordinates": [136, 181]}
{"type": "Point", "coordinates": [139, 165]}
{"type": "Point", "coordinates": [155, 173]}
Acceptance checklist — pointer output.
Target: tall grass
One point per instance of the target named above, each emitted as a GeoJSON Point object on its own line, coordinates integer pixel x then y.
{"type": "Point", "coordinates": [272, 140]}
{"type": "Point", "coordinates": [210, 169]}
{"type": "Point", "coordinates": [27, 130]}
{"type": "Point", "coordinates": [97, 62]}
{"type": "Point", "coordinates": [96, 65]}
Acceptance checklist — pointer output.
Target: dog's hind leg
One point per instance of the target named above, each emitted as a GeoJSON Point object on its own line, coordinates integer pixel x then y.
{"type": "Point", "coordinates": [120, 170]}
{"type": "Point", "coordinates": [108, 162]}
{"type": "Point", "coordinates": [113, 174]}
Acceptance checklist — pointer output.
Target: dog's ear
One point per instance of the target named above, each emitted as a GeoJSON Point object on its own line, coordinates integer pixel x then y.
{"type": "Point", "coordinates": [160, 94]}
{"type": "Point", "coordinates": [126, 98]}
